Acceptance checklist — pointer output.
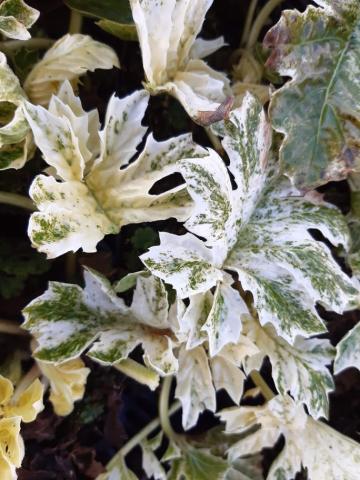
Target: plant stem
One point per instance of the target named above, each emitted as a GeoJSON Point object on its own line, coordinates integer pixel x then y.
{"type": "Point", "coordinates": [260, 21]}
{"type": "Point", "coordinates": [164, 409]}
{"type": "Point", "coordinates": [17, 200]}
{"type": "Point", "coordinates": [76, 20]}
{"type": "Point", "coordinates": [266, 391]}
{"type": "Point", "coordinates": [214, 141]}
{"type": "Point", "coordinates": [33, 43]}
{"type": "Point", "coordinates": [248, 21]}
{"type": "Point", "coordinates": [133, 442]}
{"type": "Point", "coordinates": [26, 381]}
{"type": "Point", "coordinates": [11, 328]}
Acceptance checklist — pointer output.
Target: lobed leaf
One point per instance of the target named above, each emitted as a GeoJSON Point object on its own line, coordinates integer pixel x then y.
{"type": "Point", "coordinates": [69, 58]}
{"type": "Point", "coordinates": [93, 194]}
{"type": "Point", "coordinates": [319, 50]}
{"type": "Point", "coordinates": [260, 231]}
{"type": "Point", "coordinates": [308, 443]}
{"type": "Point", "coordinates": [66, 320]}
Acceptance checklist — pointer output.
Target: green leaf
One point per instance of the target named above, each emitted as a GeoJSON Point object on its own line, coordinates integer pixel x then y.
{"type": "Point", "coordinates": [16, 17]}
{"type": "Point", "coordinates": [66, 320]}
{"type": "Point", "coordinates": [348, 351]}
{"type": "Point", "coordinates": [115, 16]}
{"type": "Point", "coordinates": [319, 50]}
{"type": "Point", "coordinates": [197, 465]}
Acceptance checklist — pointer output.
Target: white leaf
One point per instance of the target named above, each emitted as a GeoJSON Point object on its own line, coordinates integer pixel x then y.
{"type": "Point", "coordinates": [194, 385]}
{"type": "Point", "coordinates": [167, 31]}
{"type": "Point", "coordinates": [69, 58]}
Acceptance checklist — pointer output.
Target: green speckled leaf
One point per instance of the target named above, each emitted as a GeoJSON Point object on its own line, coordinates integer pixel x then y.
{"type": "Point", "coordinates": [16, 17]}
{"type": "Point", "coordinates": [260, 230]}
{"type": "Point", "coordinates": [66, 320]}
{"type": "Point", "coordinates": [319, 50]}
{"type": "Point", "coordinates": [299, 369]}
{"type": "Point", "coordinates": [348, 351]}
{"type": "Point", "coordinates": [15, 136]}
{"type": "Point", "coordinates": [92, 195]}
{"type": "Point", "coordinates": [311, 444]}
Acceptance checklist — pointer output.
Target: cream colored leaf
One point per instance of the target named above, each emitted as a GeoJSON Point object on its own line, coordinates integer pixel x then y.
{"type": "Point", "coordinates": [67, 383]}
{"type": "Point", "coordinates": [28, 404]}
{"type": "Point", "coordinates": [171, 57]}
{"type": "Point", "coordinates": [11, 447]}
{"type": "Point", "coordinates": [69, 58]}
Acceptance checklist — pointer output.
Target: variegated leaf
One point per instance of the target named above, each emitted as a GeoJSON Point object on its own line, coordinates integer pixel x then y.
{"type": "Point", "coordinates": [319, 50]}
{"type": "Point", "coordinates": [69, 58]}
{"type": "Point", "coordinates": [16, 17]}
{"type": "Point", "coordinates": [348, 351]}
{"type": "Point", "coordinates": [194, 385]}
{"type": "Point", "coordinates": [299, 368]}
{"type": "Point", "coordinates": [92, 195]}
{"type": "Point", "coordinates": [308, 443]}
{"type": "Point", "coordinates": [15, 136]}
{"type": "Point", "coordinates": [260, 231]}
{"type": "Point", "coordinates": [171, 56]}
{"type": "Point", "coordinates": [66, 320]}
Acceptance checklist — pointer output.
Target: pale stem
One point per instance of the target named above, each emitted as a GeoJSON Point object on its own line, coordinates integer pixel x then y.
{"type": "Point", "coordinates": [26, 381]}
{"type": "Point", "coordinates": [33, 43]}
{"type": "Point", "coordinates": [266, 391]}
{"type": "Point", "coordinates": [17, 200]}
{"type": "Point", "coordinates": [11, 328]}
{"type": "Point", "coordinates": [248, 21]}
{"type": "Point", "coordinates": [164, 409]}
{"type": "Point", "coordinates": [76, 21]}
{"type": "Point", "coordinates": [214, 141]}
{"type": "Point", "coordinates": [260, 21]}
{"type": "Point", "coordinates": [139, 437]}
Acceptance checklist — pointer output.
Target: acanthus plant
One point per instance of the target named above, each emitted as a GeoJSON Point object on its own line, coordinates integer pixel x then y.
{"type": "Point", "coordinates": [253, 265]}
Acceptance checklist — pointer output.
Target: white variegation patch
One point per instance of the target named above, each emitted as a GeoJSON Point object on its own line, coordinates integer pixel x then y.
{"type": "Point", "coordinates": [172, 57]}
{"type": "Point", "coordinates": [96, 190]}
{"type": "Point", "coordinates": [16, 17]}
{"type": "Point", "coordinates": [69, 58]}
{"type": "Point", "coordinates": [311, 444]}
